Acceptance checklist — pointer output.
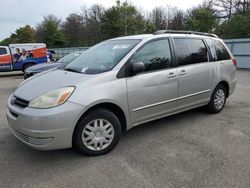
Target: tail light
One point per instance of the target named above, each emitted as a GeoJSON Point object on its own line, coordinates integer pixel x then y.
{"type": "Point", "coordinates": [234, 62]}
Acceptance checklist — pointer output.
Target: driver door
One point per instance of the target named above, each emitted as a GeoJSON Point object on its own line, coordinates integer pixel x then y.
{"type": "Point", "coordinates": [153, 93]}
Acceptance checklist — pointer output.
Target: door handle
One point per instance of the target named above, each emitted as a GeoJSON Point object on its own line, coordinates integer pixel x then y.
{"type": "Point", "coordinates": [183, 72]}
{"type": "Point", "coordinates": [171, 75]}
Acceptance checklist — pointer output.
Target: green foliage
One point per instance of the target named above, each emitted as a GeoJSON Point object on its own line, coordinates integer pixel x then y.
{"type": "Point", "coordinates": [6, 41]}
{"type": "Point", "coordinates": [24, 34]}
{"type": "Point", "coordinates": [237, 27]}
{"type": "Point", "coordinates": [201, 19]}
{"type": "Point", "coordinates": [49, 32]}
{"type": "Point", "coordinates": [122, 19]}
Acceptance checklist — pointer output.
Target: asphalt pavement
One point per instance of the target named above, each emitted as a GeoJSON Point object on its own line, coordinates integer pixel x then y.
{"type": "Point", "coordinates": [191, 149]}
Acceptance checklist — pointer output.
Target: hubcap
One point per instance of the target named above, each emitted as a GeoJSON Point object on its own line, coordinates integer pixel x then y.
{"type": "Point", "coordinates": [219, 99]}
{"type": "Point", "coordinates": [98, 134]}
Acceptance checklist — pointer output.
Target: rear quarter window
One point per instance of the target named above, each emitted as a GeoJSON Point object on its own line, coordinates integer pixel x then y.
{"type": "Point", "coordinates": [217, 50]}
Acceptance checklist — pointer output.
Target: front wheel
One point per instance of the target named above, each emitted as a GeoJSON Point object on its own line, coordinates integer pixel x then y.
{"type": "Point", "coordinates": [218, 99]}
{"type": "Point", "coordinates": [97, 133]}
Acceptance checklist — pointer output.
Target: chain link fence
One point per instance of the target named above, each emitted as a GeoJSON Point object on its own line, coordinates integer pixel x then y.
{"type": "Point", "coordinates": [60, 52]}
{"type": "Point", "coordinates": [241, 51]}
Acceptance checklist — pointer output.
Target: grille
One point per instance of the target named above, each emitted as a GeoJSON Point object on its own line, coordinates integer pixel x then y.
{"type": "Point", "coordinates": [19, 102]}
{"type": "Point", "coordinates": [34, 141]}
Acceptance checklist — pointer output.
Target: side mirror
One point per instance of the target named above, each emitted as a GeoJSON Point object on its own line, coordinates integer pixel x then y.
{"type": "Point", "coordinates": [138, 67]}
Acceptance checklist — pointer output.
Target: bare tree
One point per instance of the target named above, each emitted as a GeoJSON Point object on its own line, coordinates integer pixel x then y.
{"type": "Point", "coordinates": [72, 29]}
{"type": "Point", "coordinates": [227, 8]}
{"type": "Point", "coordinates": [178, 21]}
{"type": "Point", "coordinates": [92, 23]}
{"type": "Point", "coordinates": [159, 18]}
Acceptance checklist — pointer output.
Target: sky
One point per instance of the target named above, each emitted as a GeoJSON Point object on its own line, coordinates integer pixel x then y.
{"type": "Point", "coordinates": [18, 13]}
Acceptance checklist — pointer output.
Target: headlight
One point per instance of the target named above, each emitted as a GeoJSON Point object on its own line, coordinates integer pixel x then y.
{"type": "Point", "coordinates": [53, 98]}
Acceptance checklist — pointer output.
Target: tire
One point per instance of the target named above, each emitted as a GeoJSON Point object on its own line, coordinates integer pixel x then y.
{"type": "Point", "coordinates": [90, 135]}
{"type": "Point", "coordinates": [26, 66]}
{"type": "Point", "coordinates": [218, 99]}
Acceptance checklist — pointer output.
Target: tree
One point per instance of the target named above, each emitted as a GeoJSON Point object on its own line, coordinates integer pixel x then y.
{"type": "Point", "coordinates": [6, 41]}
{"type": "Point", "coordinates": [159, 18]}
{"type": "Point", "coordinates": [49, 31]}
{"type": "Point", "coordinates": [178, 21]}
{"type": "Point", "coordinates": [72, 29]}
{"type": "Point", "coordinates": [225, 9]}
{"type": "Point", "coordinates": [170, 18]}
{"type": "Point", "coordinates": [237, 27]}
{"type": "Point", "coordinates": [122, 19]}
{"type": "Point", "coordinates": [92, 24]}
{"type": "Point", "coordinates": [24, 34]}
{"type": "Point", "coordinates": [201, 19]}
{"type": "Point", "coordinates": [242, 7]}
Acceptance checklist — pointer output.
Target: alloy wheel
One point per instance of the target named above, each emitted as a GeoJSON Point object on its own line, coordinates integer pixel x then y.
{"type": "Point", "coordinates": [219, 99]}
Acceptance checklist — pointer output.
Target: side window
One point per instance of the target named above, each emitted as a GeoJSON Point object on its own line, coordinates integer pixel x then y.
{"type": "Point", "coordinates": [212, 49]}
{"type": "Point", "coordinates": [221, 51]}
{"type": "Point", "coordinates": [155, 55]}
{"type": "Point", "coordinates": [190, 51]}
{"type": "Point", "coordinates": [3, 51]}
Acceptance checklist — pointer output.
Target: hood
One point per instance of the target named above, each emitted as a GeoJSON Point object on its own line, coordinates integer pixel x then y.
{"type": "Point", "coordinates": [43, 67]}
{"type": "Point", "coordinates": [43, 83]}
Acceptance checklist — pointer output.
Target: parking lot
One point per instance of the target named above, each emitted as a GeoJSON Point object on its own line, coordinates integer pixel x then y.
{"type": "Point", "coordinates": [191, 149]}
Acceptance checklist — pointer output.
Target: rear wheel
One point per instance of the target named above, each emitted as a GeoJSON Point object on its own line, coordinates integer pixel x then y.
{"type": "Point", "coordinates": [218, 99]}
{"type": "Point", "coordinates": [97, 133]}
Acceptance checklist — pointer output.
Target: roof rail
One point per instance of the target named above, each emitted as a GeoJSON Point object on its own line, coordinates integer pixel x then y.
{"type": "Point", "coordinates": [184, 32]}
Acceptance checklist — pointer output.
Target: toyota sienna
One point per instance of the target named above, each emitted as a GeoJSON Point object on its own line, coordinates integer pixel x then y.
{"type": "Point", "coordinates": [118, 84]}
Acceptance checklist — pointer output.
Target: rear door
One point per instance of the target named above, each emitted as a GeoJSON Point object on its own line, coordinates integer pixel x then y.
{"type": "Point", "coordinates": [194, 72]}
{"type": "Point", "coordinates": [153, 93]}
{"type": "Point", "coordinates": [5, 59]}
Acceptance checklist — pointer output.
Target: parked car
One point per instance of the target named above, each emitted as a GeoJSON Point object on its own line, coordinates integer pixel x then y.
{"type": "Point", "coordinates": [61, 63]}
{"type": "Point", "coordinates": [17, 57]}
{"type": "Point", "coordinates": [118, 84]}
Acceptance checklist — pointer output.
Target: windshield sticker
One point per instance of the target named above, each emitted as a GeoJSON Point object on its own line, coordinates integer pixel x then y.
{"type": "Point", "coordinates": [84, 69]}
{"type": "Point", "coordinates": [124, 46]}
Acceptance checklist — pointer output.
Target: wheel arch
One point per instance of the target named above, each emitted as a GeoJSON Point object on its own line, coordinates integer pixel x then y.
{"type": "Point", "coordinates": [116, 109]}
{"type": "Point", "coordinates": [226, 85]}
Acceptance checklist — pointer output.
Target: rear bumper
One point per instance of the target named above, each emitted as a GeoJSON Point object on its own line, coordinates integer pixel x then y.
{"type": "Point", "coordinates": [44, 129]}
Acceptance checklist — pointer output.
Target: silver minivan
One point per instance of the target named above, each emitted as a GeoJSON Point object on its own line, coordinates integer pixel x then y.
{"type": "Point", "coordinates": [118, 84]}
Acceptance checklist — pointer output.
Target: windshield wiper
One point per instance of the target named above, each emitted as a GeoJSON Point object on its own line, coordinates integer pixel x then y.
{"type": "Point", "coordinates": [72, 70]}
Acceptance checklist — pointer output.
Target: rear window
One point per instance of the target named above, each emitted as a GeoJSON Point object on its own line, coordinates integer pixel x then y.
{"type": "Point", "coordinates": [218, 50]}
{"type": "Point", "coordinates": [3, 51]}
{"type": "Point", "coordinates": [190, 51]}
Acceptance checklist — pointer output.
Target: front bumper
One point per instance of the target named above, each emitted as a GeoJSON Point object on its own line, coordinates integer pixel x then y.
{"type": "Point", "coordinates": [44, 129]}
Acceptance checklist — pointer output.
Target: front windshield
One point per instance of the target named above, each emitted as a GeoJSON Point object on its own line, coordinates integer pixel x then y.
{"type": "Point", "coordinates": [69, 58]}
{"type": "Point", "coordinates": [102, 57]}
